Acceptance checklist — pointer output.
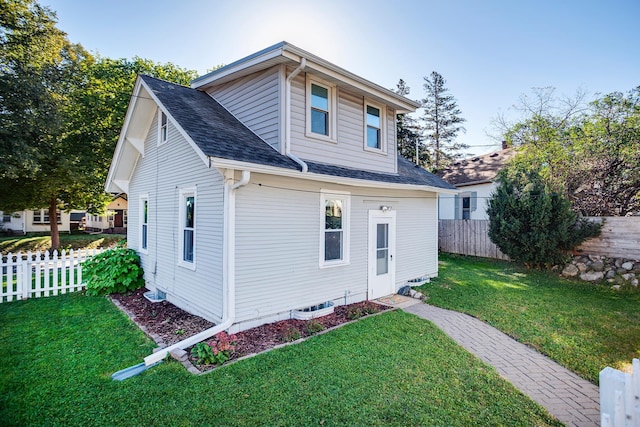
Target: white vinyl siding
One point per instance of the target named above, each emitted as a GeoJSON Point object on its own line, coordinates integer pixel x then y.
{"type": "Point", "coordinates": [277, 256]}
{"type": "Point", "coordinates": [347, 149]}
{"type": "Point", "coordinates": [254, 100]}
{"type": "Point", "coordinates": [161, 173]}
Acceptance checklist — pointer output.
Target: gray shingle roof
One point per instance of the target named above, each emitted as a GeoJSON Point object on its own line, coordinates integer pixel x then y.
{"type": "Point", "coordinates": [478, 169]}
{"type": "Point", "coordinates": [219, 134]}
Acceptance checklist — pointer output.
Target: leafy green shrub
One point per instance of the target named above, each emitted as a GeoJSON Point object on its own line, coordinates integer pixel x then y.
{"type": "Point", "coordinates": [217, 351]}
{"type": "Point", "coordinates": [113, 271]}
{"type": "Point", "coordinates": [290, 333]}
{"type": "Point", "coordinates": [313, 327]}
{"type": "Point", "coordinates": [354, 313]}
{"type": "Point", "coordinates": [532, 222]}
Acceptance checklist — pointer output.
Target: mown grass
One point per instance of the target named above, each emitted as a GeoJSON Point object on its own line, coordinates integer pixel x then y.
{"type": "Point", "coordinates": [583, 326]}
{"type": "Point", "coordinates": [391, 369]}
{"type": "Point", "coordinates": [35, 243]}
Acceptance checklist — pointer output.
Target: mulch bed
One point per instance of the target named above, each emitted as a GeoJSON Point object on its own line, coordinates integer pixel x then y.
{"type": "Point", "coordinates": [168, 324]}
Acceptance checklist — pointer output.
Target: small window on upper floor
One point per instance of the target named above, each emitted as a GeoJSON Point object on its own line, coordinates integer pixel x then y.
{"type": "Point", "coordinates": [321, 110]}
{"type": "Point", "coordinates": [162, 128]}
{"type": "Point", "coordinates": [374, 128]}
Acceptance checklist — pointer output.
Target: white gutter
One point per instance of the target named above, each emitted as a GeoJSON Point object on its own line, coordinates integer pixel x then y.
{"type": "Point", "coordinates": [287, 120]}
{"type": "Point", "coordinates": [229, 282]}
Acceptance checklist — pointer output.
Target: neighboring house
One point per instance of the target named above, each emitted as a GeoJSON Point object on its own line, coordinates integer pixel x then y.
{"type": "Point", "coordinates": [12, 223]}
{"type": "Point", "coordinates": [37, 221]}
{"type": "Point", "coordinates": [273, 184]}
{"type": "Point", "coordinates": [115, 218]}
{"type": "Point", "coordinates": [475, 178]}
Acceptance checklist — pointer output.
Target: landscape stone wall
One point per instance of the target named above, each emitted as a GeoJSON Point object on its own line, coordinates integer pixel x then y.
{"type": "Point", "coordinates": [595, 268]}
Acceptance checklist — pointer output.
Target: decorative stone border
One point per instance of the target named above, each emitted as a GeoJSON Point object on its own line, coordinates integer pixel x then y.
{"type": "Point", "coordinates": [594, 268]}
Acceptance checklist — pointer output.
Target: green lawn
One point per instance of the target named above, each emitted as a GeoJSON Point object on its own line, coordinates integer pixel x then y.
{"type": "Point", "coordinates": [391, 369]}
{"type": "Point", "coordinates": [584, 327]}
{"type": "Point", "coordinates": [67, 241]}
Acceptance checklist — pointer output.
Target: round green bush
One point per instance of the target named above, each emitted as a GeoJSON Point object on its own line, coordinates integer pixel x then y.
{"type": "Point", "coordinates": [113, 271]}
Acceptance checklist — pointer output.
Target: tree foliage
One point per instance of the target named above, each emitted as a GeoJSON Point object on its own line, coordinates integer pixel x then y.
{"type": "Point", "coordinates": [532, 222]}
{"type": "Point", "coordinates": [60, 114]}
{"type": "Point", "coordinates": [591, 152]}
{"type": "Point", "coordinates": [409, 133]}
{"type": "Point", "coordinates": [442, 122]}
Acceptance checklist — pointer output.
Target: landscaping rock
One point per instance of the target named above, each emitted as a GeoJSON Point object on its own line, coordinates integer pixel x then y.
{"type": "Point", "coordinates": [617, 262]}
{"type": "Point", "coordinates": [570, 270]}
{"type": "Point", "coordinates": [404, 291]}
{"type": "Point", "coordinates": [610, 274]}
{"type": "Point", "coordinates": [627, 265]}
{"type": "Point", "coordinates": [592, 276]}
{"type": "Point", "coordinates": [616, 287]}
{"type": "Point", "coordinates": [634, 283]}
{"type": "Point", "coordinates": [597, 265]}
{"type": "Point", "coordinates": [628, 276]}
{"type": "Point", "coordinates": [582, 267]}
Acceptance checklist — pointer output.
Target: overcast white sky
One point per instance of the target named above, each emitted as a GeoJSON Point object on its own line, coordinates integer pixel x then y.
{"type": "Point", "coordinates": [489, 52]}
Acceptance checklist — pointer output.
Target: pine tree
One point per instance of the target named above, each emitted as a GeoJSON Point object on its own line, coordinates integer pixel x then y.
{"type": "Point", "coordinates": [531, 221]}
{"type": "Point", "coordinates": [409, 132]}
{"type": "Point", "coordinates": [443, 121]}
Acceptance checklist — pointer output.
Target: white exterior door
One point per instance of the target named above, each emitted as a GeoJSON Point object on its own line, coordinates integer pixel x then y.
{"type": "Point", "coordinates": [382, 245]}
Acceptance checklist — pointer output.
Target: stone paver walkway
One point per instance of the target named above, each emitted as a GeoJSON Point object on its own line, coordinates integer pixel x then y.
{"type": "Point", "coordinates": [571, 399]}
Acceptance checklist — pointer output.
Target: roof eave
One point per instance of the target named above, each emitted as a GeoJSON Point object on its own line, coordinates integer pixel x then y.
{"type": "Point", "coordinates": [221, 163]}
{"type": "Point", "coordinates": [294, 54]}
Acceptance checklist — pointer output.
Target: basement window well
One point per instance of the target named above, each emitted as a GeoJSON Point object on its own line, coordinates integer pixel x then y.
{"type": "Point", "coordinates": [314, 311]}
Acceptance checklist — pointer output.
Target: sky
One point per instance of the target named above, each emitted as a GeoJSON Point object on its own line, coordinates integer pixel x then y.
{"type": "Point", "coordinates": [489, 52]}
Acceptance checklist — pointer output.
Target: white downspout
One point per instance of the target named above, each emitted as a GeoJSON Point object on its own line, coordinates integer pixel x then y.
{"type": "Point", "coordinates": [229, 268]}
{"type": "Point", "coordinates": [287, 113]}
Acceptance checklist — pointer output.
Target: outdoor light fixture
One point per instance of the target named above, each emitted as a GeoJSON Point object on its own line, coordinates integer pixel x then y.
{"type": "Point", "coordinates": [385, 208]}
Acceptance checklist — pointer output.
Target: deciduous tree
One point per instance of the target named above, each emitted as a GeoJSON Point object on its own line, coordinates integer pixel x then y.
{"type": "Point", "coordinates": [60, 114]}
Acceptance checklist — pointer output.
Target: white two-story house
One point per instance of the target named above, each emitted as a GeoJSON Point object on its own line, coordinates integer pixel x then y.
{"type": "Point", "coordinates": [270, 185]}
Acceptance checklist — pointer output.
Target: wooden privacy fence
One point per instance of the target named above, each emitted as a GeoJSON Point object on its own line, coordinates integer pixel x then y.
{"type": "Point", "coordinates": [620, 238]}
{"type": "Point", "coordinates": [620, 397]}
{"type": "Point", "coordinates": [467, 237]}
{"type": "Point", "coordinates": [40, 274]}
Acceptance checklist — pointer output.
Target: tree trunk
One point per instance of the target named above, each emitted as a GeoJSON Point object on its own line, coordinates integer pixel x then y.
{"type": "Point", "coordinates": [53, 223]}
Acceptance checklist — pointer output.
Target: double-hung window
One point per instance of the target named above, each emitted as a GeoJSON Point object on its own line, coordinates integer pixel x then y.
{"type": "Point", "coordinates": [162, 128]}
{"type": "Point", "coordinates": [144, 223]}
{"type": "Point", "coordinates": [374, 116]}
{"type": "Point", "coordinates": [321, 110]}
{"type": "Point", "coordinates": [6, 218]}
{"type": "Point", "coordinates": [187, 228]}
{"type": "Point", "coordinates": [334, 236]}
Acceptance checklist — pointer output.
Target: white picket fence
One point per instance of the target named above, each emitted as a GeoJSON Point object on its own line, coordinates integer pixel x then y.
{"type": "Point", "coordinates": [41, 274]}
{"type": "Point", "coordinates": [620, 397]}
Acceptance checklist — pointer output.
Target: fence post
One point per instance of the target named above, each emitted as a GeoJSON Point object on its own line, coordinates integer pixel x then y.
{"type": "Point", "coordinates": [26, 274]}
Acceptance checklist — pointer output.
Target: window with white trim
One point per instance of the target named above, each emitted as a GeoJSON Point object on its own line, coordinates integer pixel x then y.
{"type": "Point", "coordinates": [6, 218]}
{"type": "Point", "coordinates": [163, 132]}
{"type": "Point", "coordinates": [187, 227]}
{"type": "Point", "coordinates": [42, 216]}
{"type": "Point", "coordinates": [144, 223]}
{"type": "Point", "coordinates": [321, 110]}
{"type": "Point", "coordinates": [374, 118]}
{"type": "Point", "coordinates": [334, 236]}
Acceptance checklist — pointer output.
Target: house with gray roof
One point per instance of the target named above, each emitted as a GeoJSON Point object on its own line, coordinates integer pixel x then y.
{"type": "Point", "coordinates": [272, 185]}
{"type": "Point", "coordinates": [475, 179]}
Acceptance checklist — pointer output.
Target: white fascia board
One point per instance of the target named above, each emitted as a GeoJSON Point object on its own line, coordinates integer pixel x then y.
{"type": "Point", "coordinates": [234, 67]}
{"type": "Point", "coordinates": [223, 164]}
{"type": "Point", "coordinates": [186, 136]}
{"type": "Point", "coordinates": [115, 160]}
{"type": "Point", "coordinates": [295, 54]}
{"type": "Point", "coordinates": [402, 104]}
